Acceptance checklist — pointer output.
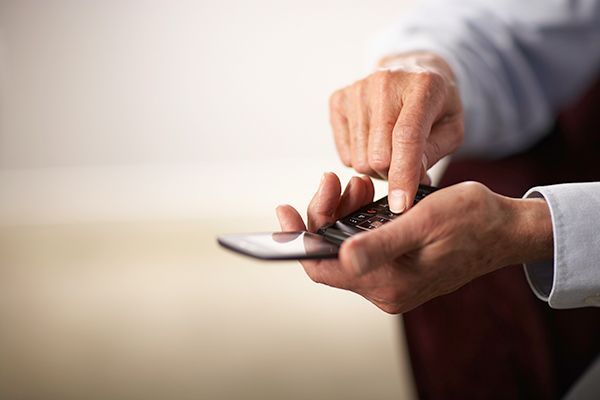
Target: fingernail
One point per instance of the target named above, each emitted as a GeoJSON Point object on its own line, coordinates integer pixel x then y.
{"type": "Point", "coordinates": [321, 183]}
{"type": "Point", "coordinates": [278, 210]}
{"type": "Point", "coordinates": [324, 176]}
{"type": "Point", "coordinates": [360, 261]}
{"type": "Point", "coordinates": [397, 201]}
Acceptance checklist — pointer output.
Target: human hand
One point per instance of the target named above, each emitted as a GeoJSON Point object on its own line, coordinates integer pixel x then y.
{"type": "Point", "coordinates": [398, 122]}
{"type": "Point", "coordinates": [450, 238]}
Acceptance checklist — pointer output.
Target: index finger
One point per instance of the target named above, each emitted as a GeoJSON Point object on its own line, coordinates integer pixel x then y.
{"type": "Point", "coordinates": [408, 146]}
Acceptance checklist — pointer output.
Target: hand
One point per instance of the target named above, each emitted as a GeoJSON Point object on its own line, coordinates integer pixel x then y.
{"type": "Point", "coordinates": [450, 238]}
{"type": "Point", "coordinates": [398, 122]}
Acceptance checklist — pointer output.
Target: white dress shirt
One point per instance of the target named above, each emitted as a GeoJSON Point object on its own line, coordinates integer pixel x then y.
{"type": "Point", "coordinates": [517, 64]}
{"type": "Point", "coordinates": [572, 279]}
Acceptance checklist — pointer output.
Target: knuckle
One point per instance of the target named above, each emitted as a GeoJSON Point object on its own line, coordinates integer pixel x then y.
{"type": "Point", "coordinates": [379, 161]}
{"type": "Point", "coordinates": [362, 166]}
{"type": "Point", "coordinates": [346, 160]}
{"type": "Point", "coordinates": [431, 80]}
{"type": "Point", "coordinates": [476, 195]}
{"type": "Point", "coordinates": [360, 90]}
{"type": "Point", "coordinates": [383, 124]}
{"type": "Point", "coordinates": [336, 101]}
{"type": "Point", "coordinates": [357, 127]}
{"type": "Point", "coordinates": [474, 188]}
{"type": "Point", "coordinates": [382, 79]}
{"type": "Point", "coordinates": [408, 134]}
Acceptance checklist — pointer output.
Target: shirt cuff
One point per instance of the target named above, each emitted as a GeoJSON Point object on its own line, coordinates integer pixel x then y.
{"type": "Point", "coordinates": [572, 278]}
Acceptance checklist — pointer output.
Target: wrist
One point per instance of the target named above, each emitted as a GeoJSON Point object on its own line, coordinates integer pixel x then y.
{"type": "Point", "coordinates": [528, 231]}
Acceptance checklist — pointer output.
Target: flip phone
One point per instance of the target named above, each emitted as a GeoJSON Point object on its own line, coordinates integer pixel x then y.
{"type": "Point", "coordinates": [323, 244]}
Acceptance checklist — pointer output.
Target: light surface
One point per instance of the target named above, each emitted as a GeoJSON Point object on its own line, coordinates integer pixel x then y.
{"type": "Point", "coordinates": [131, 134]}
{"type": "Point", "coordinates": [154, 311]}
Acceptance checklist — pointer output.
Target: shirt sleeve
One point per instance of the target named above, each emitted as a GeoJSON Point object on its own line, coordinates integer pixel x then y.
{"type": "Point", "coordinates": [517, 62]}
{"type": "Point", "coordinates": [572, 278]}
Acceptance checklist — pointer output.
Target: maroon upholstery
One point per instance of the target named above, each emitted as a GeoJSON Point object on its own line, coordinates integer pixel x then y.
{"type": "Point", "coordinates": [492, 339]}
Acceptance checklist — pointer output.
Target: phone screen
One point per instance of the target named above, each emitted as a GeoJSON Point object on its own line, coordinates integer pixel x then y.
{"type": "Point", "coordinates": [280, 245]}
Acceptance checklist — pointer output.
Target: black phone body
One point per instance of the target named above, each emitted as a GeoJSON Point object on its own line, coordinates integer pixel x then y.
{"type": "Point", "coordinates": [323, 244]}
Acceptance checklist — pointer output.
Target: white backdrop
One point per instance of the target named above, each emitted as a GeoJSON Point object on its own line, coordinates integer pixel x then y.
{"type": "Point", "coordinates": [127, 109]}
{"type": "Point", "coordinates": [122, 82]}
{"type": "Point", "coordinates": [208, 112]}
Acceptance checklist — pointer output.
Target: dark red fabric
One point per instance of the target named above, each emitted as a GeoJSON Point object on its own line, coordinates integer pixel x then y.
{"type": "Point", "coordinates": [493, 339]}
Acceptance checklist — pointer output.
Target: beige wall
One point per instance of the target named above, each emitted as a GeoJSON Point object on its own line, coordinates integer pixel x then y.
{"type": "Point", "coordinates": [121, 82]}
{"type": "Point", "coordinates": [133, 132]}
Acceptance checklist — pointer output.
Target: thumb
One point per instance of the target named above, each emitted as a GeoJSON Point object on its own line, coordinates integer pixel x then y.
{"type": "Point", "coordinates": [366, 251]}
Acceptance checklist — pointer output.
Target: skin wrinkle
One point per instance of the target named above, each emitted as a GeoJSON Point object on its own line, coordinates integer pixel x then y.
{"type": "Point", "coordinates": [445, 248]}
{"type": "Point", "coordinates": [454, 235]}
{"type": "Point", "coordinates": [379, 155]}
{"type": "Point", "coordinates": [419, 83]}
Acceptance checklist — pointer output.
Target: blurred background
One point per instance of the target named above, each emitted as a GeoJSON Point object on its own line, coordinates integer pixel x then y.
{"type": "Point", "coordinates": [131, 134]}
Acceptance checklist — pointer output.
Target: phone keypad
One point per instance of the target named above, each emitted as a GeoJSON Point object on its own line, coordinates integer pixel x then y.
{"type": "Point", "coordinates": [376, 214]}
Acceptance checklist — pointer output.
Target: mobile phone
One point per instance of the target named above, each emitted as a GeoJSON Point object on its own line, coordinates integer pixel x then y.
{"type": "Point", "coordinates": [322, 244]}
